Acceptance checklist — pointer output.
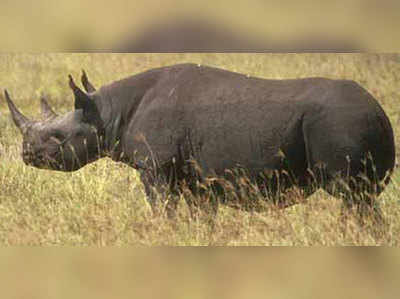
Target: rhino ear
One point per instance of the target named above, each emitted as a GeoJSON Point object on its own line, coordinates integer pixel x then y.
{"type": "Point", "coordinates": [86, 83]}
{"type": "Point", "coordinates": [19, 119]}
{"type": "Point", "coordinates": [47, 112]}
{"type": "Point", "coordinates": [81, 98]}
{"type": "Point", "coordinates": [83, 101]}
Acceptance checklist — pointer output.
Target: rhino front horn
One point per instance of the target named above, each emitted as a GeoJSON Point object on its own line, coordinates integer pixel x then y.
{"type": "Point", "coordinates": [20, 120]}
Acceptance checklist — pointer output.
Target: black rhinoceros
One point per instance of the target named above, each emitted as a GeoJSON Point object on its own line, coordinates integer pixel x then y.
{"type": "Point", "coordinates": [312, 132]}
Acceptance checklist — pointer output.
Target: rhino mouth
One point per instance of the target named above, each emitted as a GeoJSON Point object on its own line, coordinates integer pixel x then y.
{"type": "Point", "coordinates": [47, 161]}
{"type": "Point", "coordinates": [54, 161]}
{"type": "Point", "coordinates": [51, 165]}
{"type": "Point", "coordinates": [43, 163]}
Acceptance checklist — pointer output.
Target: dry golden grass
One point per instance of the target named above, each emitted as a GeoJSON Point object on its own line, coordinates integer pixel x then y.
{"type": "Point", "coordinates": [104, 203]}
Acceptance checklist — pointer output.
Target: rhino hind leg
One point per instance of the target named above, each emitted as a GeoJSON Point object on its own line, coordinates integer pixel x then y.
{"type": "Point", "coordinates": [358, 196]}
{"type": "Point", "coordinates": [341, 169]}
{"type": "Point", "coordinates": [354, 187]}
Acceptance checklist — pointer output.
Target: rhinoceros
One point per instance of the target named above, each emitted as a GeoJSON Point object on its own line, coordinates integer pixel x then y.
{"type": "Point", "coordinates": [184, 124]}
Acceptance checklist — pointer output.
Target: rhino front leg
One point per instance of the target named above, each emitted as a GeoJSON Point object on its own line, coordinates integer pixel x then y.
{"type": "Point", "coordinates": [153, 189]}
{"type": "Point", "coordinates": [156, 189]}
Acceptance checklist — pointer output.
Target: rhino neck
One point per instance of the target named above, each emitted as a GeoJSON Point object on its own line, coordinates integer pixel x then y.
{"type": "Point", "coordinates": [111, 133]}
{"type": "Point", "coordinates": [112, 138]}
{"type": "Point", "coordinates": [117, 103]}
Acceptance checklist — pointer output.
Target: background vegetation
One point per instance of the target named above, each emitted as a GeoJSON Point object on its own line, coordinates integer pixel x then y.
{"type": "Point", "coordinates": [104, 203]}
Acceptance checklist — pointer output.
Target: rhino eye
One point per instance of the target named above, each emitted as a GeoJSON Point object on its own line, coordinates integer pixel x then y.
{"type": "Point", "coordinates": [57, 137]}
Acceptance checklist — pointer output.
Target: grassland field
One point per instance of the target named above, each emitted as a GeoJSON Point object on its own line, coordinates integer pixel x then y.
{"type": "Point", "coordinates": [104, 202]}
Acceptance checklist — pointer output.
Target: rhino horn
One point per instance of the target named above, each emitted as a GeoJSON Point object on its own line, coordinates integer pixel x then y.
{"type": "Point", "coordinates": [47, 112]}
{"type": "Point", "coordinates": [20, 120]}
{"type": "Point", "coordinates": [86, 83]}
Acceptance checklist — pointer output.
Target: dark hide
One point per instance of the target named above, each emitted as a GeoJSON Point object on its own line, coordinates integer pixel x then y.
{"type": "Point", "coordinates": [312, 132]}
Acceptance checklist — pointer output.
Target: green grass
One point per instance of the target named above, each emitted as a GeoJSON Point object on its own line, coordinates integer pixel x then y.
{"type": "Point", "coordinates": [104, 203]}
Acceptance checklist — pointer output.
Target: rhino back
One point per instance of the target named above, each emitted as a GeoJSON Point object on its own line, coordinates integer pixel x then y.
{"type": "Point", "coordinates": [222, 119]}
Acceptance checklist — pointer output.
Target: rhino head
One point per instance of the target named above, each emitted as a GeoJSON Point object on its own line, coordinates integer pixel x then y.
{"type": "Point", "coordinates": [66, 142]}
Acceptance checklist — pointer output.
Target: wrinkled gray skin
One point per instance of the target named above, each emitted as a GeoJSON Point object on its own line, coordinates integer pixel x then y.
{"type": "Point", "coordinates": [313, 131]}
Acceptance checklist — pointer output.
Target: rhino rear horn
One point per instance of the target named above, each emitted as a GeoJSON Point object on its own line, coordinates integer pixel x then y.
{"type": "Point", "coordinates": [20, 120]}
{"type": "Point", "coordinates": [86, 83]}
{"type": "Point", "coordinates": [47, 112]}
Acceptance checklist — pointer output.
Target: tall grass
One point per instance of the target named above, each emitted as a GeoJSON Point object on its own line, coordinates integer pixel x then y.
{"type": "Point", "coordinates": [104, 202]}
